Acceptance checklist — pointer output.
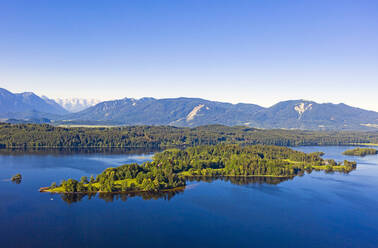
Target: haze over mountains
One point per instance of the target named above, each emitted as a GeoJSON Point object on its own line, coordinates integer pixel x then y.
{"type": "Point", "coordinates": [76, 104]}
{"type": "Point", "coordinates": [191, 112]}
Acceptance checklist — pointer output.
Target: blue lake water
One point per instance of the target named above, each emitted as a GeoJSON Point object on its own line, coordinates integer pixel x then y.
{"type": "Point", "coordinates": [314, 210]}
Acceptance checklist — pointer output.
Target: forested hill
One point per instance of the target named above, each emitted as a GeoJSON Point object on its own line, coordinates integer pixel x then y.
{"type": "Point", "coordinates": [44, 135]}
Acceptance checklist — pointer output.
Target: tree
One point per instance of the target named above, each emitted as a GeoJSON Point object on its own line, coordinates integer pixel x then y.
{"type": "Point", "coordinates": [124, 187]}
{"type": "Point", "coordinates": [84, 180]}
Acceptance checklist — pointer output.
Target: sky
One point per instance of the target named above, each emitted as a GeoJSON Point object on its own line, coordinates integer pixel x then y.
{"type": "Point", "coordinates": [255, 51]}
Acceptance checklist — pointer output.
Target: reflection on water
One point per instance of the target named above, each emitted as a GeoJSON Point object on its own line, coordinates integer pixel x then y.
{"type": "Point", "coordinates": [16, 181]}
{"type": "Point", "coordinates": [168, 195]}
{"type": "Point", "coordinates": [241, 180]}
{"type": "Point", "coordinates": [111, 197]}
{"type": "Point", "coordinates": [71, 151]}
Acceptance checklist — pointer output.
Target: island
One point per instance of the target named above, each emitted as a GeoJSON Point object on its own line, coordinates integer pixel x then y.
{"type": "Point", "coordinates": [360, 152]}
{"type": "Point", "coordinates": [16, 178]}
{"type": "Point", "coordinates": [170, 169]}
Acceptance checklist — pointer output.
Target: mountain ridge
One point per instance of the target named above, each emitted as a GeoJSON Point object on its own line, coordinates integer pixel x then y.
{"type": "Point", "coordinates": [27, 102]}
{"type": "Point", "coordinates": [190, 112]}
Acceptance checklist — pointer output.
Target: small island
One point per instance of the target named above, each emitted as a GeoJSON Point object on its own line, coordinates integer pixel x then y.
{"type": "Point", "coordinates": [169, 170]}
{"type": "Point", "coordinates": [360, 152]}
{"type": "Point", "coordinates": [16, 178]}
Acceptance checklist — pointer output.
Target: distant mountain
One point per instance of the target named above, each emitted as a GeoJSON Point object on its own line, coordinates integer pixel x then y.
{"type": "Point", "coordinates": [293, 114]}
{"type": "Point", "coordinates": [175, 111]}
{"type": "Point", "coordinates": [187, 112]}
{"type": "Point", "coordinates": [302, 114]}
{"type": "Point", "coordinates": [27, 105]}
{"type": "Point", "coordinates": [76, 104]}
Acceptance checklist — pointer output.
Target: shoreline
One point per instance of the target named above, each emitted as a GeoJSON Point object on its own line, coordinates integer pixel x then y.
{"type": "Point", "coordinates": [168, 146]}
{"type": "Point", "coordinates": [47, 190]}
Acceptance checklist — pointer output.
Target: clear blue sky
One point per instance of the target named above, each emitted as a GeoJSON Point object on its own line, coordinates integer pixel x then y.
{"type": "Point", "coordinates": [237, 51]}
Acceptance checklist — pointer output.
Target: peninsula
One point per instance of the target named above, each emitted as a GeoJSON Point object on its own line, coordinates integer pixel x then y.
{"type": "Point", "coordinates": [360, 152]}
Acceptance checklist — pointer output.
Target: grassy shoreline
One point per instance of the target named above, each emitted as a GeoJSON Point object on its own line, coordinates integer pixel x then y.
{"type": "Point", "coordinates": [364, 144]}
{"type": "Point", "coordinates": [360, 152]}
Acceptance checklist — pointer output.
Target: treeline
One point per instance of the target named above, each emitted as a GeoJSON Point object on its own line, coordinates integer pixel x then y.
{"type": "Point", "coordinates": [170, 169]}
{"type": "Point", "coordinates": [361, 152]}
{"type": "Point", "coordinates": [44, 135]}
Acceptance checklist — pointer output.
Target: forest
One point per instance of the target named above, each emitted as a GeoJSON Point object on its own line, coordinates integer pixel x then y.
{"type": "Point", "coordinates": [49, 136]}
{"type": "Point", "coordinates": [170, 169]}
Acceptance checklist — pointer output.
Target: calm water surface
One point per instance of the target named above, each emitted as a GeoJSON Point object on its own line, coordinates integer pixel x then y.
{"type": "Point", "coordinates": [315, 210]}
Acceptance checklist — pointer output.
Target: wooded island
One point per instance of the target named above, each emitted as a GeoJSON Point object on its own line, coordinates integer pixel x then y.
{"type": "Point", "coordinates": [171, 168]}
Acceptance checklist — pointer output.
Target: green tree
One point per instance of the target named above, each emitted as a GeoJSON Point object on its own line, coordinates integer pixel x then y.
{"type": "Point", "coordinates": [84, 180]}
{"type": "Point", "coordinates": [53, 185]}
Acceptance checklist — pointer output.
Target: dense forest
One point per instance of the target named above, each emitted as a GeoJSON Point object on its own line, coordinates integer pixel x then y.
{"type": "Point", "coordinates": [48, 136]}
{"type": "Point", "coordinates": [171, 168]}
{"type": "Point", "coordinates": [361, 152]}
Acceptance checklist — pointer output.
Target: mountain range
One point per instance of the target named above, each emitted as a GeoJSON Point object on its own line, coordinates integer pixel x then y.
{"type": "Point", "coordinates": [190, 112]}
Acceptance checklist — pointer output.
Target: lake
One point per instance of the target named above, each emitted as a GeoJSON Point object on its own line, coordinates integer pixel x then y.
{"type": "Point", "coordinates": [314, 210]}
